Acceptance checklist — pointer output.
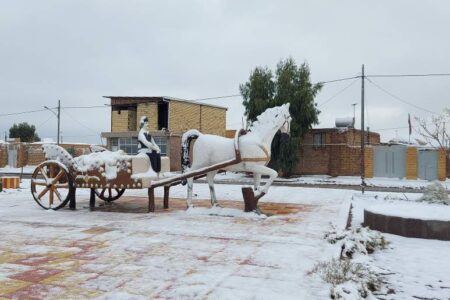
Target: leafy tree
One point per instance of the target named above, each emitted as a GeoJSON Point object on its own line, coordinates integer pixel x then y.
{"type": "Point", "coordinates": [292, 84]}
{"type": "Point", "coordinates": [24, 131]}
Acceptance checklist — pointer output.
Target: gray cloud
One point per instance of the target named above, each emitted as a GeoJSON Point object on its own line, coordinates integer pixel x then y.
{"type": "Point", "coordinates": [78, 51]}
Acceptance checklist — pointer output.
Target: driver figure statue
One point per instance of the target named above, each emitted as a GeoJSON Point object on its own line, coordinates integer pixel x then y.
{"type": "Point", "coordinates": [147, 145]}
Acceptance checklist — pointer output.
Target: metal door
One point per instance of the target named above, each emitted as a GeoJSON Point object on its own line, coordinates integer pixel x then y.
{"type": "Point", "coordinates": [12, 156]}
{"type": "Point", "coordinates": [427, 164]}
{"type": "Point", "coordinates": [389, 161]}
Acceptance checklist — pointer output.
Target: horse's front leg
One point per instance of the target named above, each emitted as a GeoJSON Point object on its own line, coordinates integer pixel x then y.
{"type": "Point", "coordinates": [210, 177]}
{"type": "Point", "coordinates": [263, 170]}
{"type": "Point", "coordinates": [257, 180]}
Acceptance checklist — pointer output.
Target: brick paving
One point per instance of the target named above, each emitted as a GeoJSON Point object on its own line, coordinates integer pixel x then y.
{"type": "Point", "coordinates": [78, 260]}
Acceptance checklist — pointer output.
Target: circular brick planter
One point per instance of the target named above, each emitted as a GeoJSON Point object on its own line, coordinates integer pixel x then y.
{"type": "Point", "coordinates": [409, 226]}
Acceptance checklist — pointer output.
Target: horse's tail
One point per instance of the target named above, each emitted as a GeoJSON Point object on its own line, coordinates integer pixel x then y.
{"type": "Point", "coordinates": [188, 136]}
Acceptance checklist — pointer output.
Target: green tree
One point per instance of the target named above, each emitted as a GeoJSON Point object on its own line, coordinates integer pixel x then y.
{"type": "Point", "coordinates": [292, 84]}
{"type": "Point", "coordinates": [24, 131]}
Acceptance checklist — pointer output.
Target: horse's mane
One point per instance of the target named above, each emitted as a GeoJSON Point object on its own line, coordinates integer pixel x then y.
{"type": "Point", "coordinates": [267, 117]}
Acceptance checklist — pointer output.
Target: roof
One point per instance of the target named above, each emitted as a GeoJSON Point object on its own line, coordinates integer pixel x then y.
{"type": "Point", "coordinates": [161, 98]}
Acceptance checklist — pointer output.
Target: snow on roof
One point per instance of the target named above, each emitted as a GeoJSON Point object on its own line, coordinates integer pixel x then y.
{"type": "Point", "coordinates": [45, 141]}
{"type": "Point", "coordinates": [167, 98]}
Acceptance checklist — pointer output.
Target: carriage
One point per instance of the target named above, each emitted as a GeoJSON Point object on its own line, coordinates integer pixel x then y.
{"type": "Point", "coordinates": [108, 174]}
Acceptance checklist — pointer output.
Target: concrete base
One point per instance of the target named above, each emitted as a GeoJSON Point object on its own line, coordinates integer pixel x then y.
{"type": "Point", "coordinates": [408, 227]}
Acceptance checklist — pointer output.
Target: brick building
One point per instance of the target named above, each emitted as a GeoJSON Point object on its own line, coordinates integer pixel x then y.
{"type": "Point", "coordinates": [168, 118]}
{"type": "Point", "coordinates": [335, 152]}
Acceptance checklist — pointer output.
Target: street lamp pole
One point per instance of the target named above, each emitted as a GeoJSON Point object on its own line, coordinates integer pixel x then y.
{"type": "Point", "coordinates": [58, 116]}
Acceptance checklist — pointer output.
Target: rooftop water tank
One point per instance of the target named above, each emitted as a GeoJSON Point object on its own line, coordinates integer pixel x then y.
{"type": "Point", "coordinates": [347, 122]}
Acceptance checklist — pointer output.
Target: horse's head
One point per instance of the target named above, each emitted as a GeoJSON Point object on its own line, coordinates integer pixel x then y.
{"type": "Point", "coordinates": [285, 119]}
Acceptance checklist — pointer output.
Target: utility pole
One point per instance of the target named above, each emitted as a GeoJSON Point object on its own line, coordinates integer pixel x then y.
{"type": "Point", "coordinates": [363, 182]}
{"type": "Point", "coordinates": [59, 118]}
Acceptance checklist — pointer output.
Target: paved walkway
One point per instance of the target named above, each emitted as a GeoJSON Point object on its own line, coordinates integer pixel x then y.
{"type": "Point", "coordinates": [174, 254]}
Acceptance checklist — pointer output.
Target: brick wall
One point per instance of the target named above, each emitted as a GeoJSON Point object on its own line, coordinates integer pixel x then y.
{"type": "Point", "coordinates": [335, 136]}
{"type": "Point", "coordinates": [213, 120]}
{"type": "Point", "coordinates": [119, 121]}
{"type": "Point", "coordinates": [368, 162]}
{"type": "Point", "coordinates": [35, 155]}
{"type": "Point", "coordinates": [333, 160]}
{"type": "Point", "coordinates": [183, 116]}
{"type": "Point", "coordinates": [22, 156]}
{"type": "Point", "coordinates": [174, 143]}
{"type": "Point", "coordinates": [411, 163]}
{"type": "Point", "coordinates": [442, 168]}
{"type": "Point", "coordinates": [32, 154]}
{"type": "Point", "coordinates": [3, 155]}
{"type": "Point", "coordinates": [312, 161]}
{"type": "Point", "coordinates": [149, 109]}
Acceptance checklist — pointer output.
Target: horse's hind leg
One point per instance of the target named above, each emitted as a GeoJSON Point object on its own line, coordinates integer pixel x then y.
{"type": "Point", "coordinates": [257, 180]}
{"type": "Point", "coordinates": [210, 177]}
{"type": "Point", "coordinates": [190, 184]}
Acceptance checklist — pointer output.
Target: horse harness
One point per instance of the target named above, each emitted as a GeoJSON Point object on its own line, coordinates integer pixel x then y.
{"type": "Point", "coordinates": [240, 133]}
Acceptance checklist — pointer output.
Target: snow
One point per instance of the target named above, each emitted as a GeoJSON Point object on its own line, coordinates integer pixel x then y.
{"type": "Point", "coordinates": [420, 211]}
{"type": "Point", "coordinates": [199, 253]}
{"type": "Point", "coordinates": [26, 170]}
{"type": "Point", "coordinates": [219, 253]}
{"type": "Point", "coordinates": [414, 268]}
{"type": "Point", "coordinates": [339, 180]}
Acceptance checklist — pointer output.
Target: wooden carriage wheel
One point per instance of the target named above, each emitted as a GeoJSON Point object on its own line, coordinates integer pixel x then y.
{"type": "Point", "coordinates": [109, 194]}
{"type": "Point", "coordinates": [51, 185]}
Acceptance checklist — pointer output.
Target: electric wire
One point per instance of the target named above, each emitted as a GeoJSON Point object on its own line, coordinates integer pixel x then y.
{"type": "Point", "coordinates": [337, 80]}
{"type": "Point", "coordinates": [22, 112]}
{"type": "Point", "coordinates": [80, 123]}
{"type": "Point", "coordinates": [399, 99]}
{"type": "Point", "coordinates": [338, 93]}
{"type": "Point", "coordinates": [408, 75]}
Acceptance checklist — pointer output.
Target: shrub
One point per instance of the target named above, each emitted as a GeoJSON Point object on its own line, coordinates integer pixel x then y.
{"type": "Point", "coordinates": [348, 279]}
{"type": "Point", "coordinates": [435, 193]}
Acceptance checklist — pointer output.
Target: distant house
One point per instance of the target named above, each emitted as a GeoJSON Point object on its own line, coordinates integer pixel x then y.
{"type": "Point", "coordinates": [334, 151]}
{"type": "Point", "coordinates": [168, 118]}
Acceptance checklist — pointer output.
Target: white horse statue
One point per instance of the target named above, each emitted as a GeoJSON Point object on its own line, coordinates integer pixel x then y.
{"type": "Point", "coordinates": [254, 148]}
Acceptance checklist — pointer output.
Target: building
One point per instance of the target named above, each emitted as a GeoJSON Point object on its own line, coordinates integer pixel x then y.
{"type": "Point", "coordinates": [168, 118]}
{"type": "Point", "coordinates": [335, 152]}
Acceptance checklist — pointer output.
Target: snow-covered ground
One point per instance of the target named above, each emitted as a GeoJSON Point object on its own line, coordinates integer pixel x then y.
{"type": "Point", "coordinates": [311, 179]}
{"type": "Point", "coordinates": [193, 254]}
{"type": "Point", "coordinates": [172, 254]}
{"type": "Point", "coordinates": [339, 180]}
{"type": "Point", "coordinates": [25, 170]}
{"type": "Point", "coordinates": [415, 268]}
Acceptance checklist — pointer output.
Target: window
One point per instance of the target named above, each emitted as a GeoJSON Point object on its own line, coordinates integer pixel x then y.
{"type": "Point", "coordinates": [114, 144]}
{"type": "Point", "coordinates": [130, 145]}
{"type": "Point", "coordinates": [161, 141]}
{"type": "Point", "coordinates": [319, 139]}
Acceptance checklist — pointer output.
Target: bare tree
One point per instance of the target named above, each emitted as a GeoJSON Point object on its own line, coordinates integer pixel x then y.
{"type": "Point", "coordinates": [434, 132]}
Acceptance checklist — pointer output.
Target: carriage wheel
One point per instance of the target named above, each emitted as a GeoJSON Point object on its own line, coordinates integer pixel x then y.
{"type": "Point", "coordinates": [109, 194]}
{"type": "Point", "coordinates": [51, 185]}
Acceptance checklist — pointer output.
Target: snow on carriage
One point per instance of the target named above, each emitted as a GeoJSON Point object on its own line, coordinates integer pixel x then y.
{"type": "Point", "coordinates": [108, 174]}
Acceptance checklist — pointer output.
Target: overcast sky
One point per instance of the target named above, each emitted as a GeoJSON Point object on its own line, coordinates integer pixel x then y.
{"type": "Point", "coordinates": [79, 51]}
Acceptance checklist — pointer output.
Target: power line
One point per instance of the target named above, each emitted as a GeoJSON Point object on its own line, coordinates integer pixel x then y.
{"type": "Point", "coordinates": [218, 97]}
{"type": "Point", "coordinates": [81, 107]}
{"type": "Point", "coordinates": [22, 112]}
{"type": "Point", "coordinates": [410, 75]}
{"type": "Point", "coordinates": [399, 99]}
{"type": "Point", "coordinates": [337, 80]}
{"type": "Point", "coordinates": [90, 129]}
{"type": "Point", "coordinates": [338, 93]}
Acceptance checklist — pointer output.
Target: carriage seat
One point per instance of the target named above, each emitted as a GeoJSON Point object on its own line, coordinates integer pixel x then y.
{"type": "Point", "coordinates": [140, 163]}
